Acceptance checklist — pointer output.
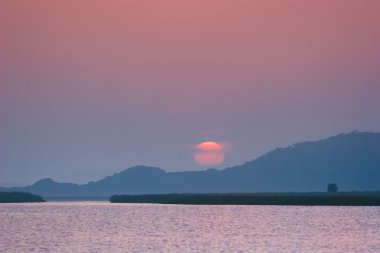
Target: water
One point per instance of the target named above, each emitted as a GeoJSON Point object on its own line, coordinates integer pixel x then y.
{"type": "Point", "coordinates": [105, 227]}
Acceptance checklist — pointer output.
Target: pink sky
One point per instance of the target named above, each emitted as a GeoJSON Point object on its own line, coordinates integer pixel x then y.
{"type": "Point", "coordinates": [88, 88]}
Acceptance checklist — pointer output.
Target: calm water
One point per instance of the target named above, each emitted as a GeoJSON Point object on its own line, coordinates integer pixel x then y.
{"type": "Point", "coordinates": [105, 227]}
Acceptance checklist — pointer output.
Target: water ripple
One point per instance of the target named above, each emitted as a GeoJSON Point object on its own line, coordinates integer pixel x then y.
{"type": "Point", "coordinates": [105, 227]}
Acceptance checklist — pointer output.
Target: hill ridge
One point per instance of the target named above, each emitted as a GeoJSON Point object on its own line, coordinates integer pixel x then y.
{"type": "Point", "coordinates": [352, 160]}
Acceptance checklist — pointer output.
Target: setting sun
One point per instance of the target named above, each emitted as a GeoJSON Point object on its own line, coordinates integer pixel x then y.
{"type": "Point", "coordinates": [209, 154]}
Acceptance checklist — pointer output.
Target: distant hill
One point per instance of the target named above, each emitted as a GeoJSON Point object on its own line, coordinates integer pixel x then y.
{"type": "Point", "coordinates": [47, 187]}
{"type": "Point", "coordinates": [352, 161]}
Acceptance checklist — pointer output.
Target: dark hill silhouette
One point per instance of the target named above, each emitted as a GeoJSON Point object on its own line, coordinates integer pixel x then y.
{"type": "Point", "coordinates": [47, 187]}
{"type": "Point", "coordinates": [352, 161]}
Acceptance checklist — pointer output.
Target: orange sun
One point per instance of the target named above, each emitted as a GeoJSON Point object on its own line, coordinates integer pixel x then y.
{"type": "Point", "coordinates": [209, 154]}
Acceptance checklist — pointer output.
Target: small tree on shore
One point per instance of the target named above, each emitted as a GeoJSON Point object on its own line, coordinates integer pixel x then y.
{"type": "Point", "coordinates": [332, 188]}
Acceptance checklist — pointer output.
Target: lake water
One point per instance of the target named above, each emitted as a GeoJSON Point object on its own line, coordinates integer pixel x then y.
{"type": "Point", "coordinates": [105, 227]}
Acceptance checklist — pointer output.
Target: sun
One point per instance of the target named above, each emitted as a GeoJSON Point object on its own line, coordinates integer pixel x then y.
{"type": "Point", "coordinates": [209, 154]}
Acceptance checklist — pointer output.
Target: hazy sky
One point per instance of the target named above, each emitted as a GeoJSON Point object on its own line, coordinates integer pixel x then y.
{"type": "Point", "coordinates": [88, 88]}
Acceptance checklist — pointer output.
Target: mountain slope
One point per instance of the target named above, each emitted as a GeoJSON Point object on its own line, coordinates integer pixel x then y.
{"type": "Point", "coordinates": [352, 161]}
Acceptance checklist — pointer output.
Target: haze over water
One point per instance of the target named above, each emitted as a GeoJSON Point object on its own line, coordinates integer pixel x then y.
{"type": "Point", "coordinates": [105, 227]}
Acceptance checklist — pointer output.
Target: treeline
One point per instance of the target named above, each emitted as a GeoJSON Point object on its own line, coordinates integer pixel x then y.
{"type": "Point", "coordinates": [19, 197]}
{"type": "Point", "coordinates": [313, 199]}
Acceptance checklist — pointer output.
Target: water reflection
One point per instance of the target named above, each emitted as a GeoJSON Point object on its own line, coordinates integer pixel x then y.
{"type": "Point", "coordinates": [104, 227]}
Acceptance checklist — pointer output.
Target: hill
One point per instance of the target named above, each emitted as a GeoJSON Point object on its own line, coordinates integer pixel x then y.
{"type": "Point", "coordinates": [352, 161]}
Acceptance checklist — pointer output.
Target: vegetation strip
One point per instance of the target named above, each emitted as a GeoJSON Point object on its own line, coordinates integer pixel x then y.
{"type": "Point", "coordinates": [19, 197]}
{"type": "Point", "coordinates": [253, 199]}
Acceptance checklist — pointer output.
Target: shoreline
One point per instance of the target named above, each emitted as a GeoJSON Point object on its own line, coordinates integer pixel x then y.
{"type": "Point", "coordinates": [20, 197]}
{"type": "Point", "coordinates": [295, 199]}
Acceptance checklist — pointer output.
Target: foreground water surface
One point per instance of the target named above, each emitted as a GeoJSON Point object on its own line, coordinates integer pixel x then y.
{"type": "Point", "coordinates": [105, 227]}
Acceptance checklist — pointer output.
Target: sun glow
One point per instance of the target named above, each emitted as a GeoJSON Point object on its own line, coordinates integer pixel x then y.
{"type": "Point", "coordinates": [209, 154]}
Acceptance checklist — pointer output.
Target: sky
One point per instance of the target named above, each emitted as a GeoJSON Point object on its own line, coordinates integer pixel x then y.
{"type": "Point", "coordinates": [89, 88]}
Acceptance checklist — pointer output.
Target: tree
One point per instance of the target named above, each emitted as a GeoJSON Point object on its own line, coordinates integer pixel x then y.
{"type": "Point", "coordinates": [332, 188]}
